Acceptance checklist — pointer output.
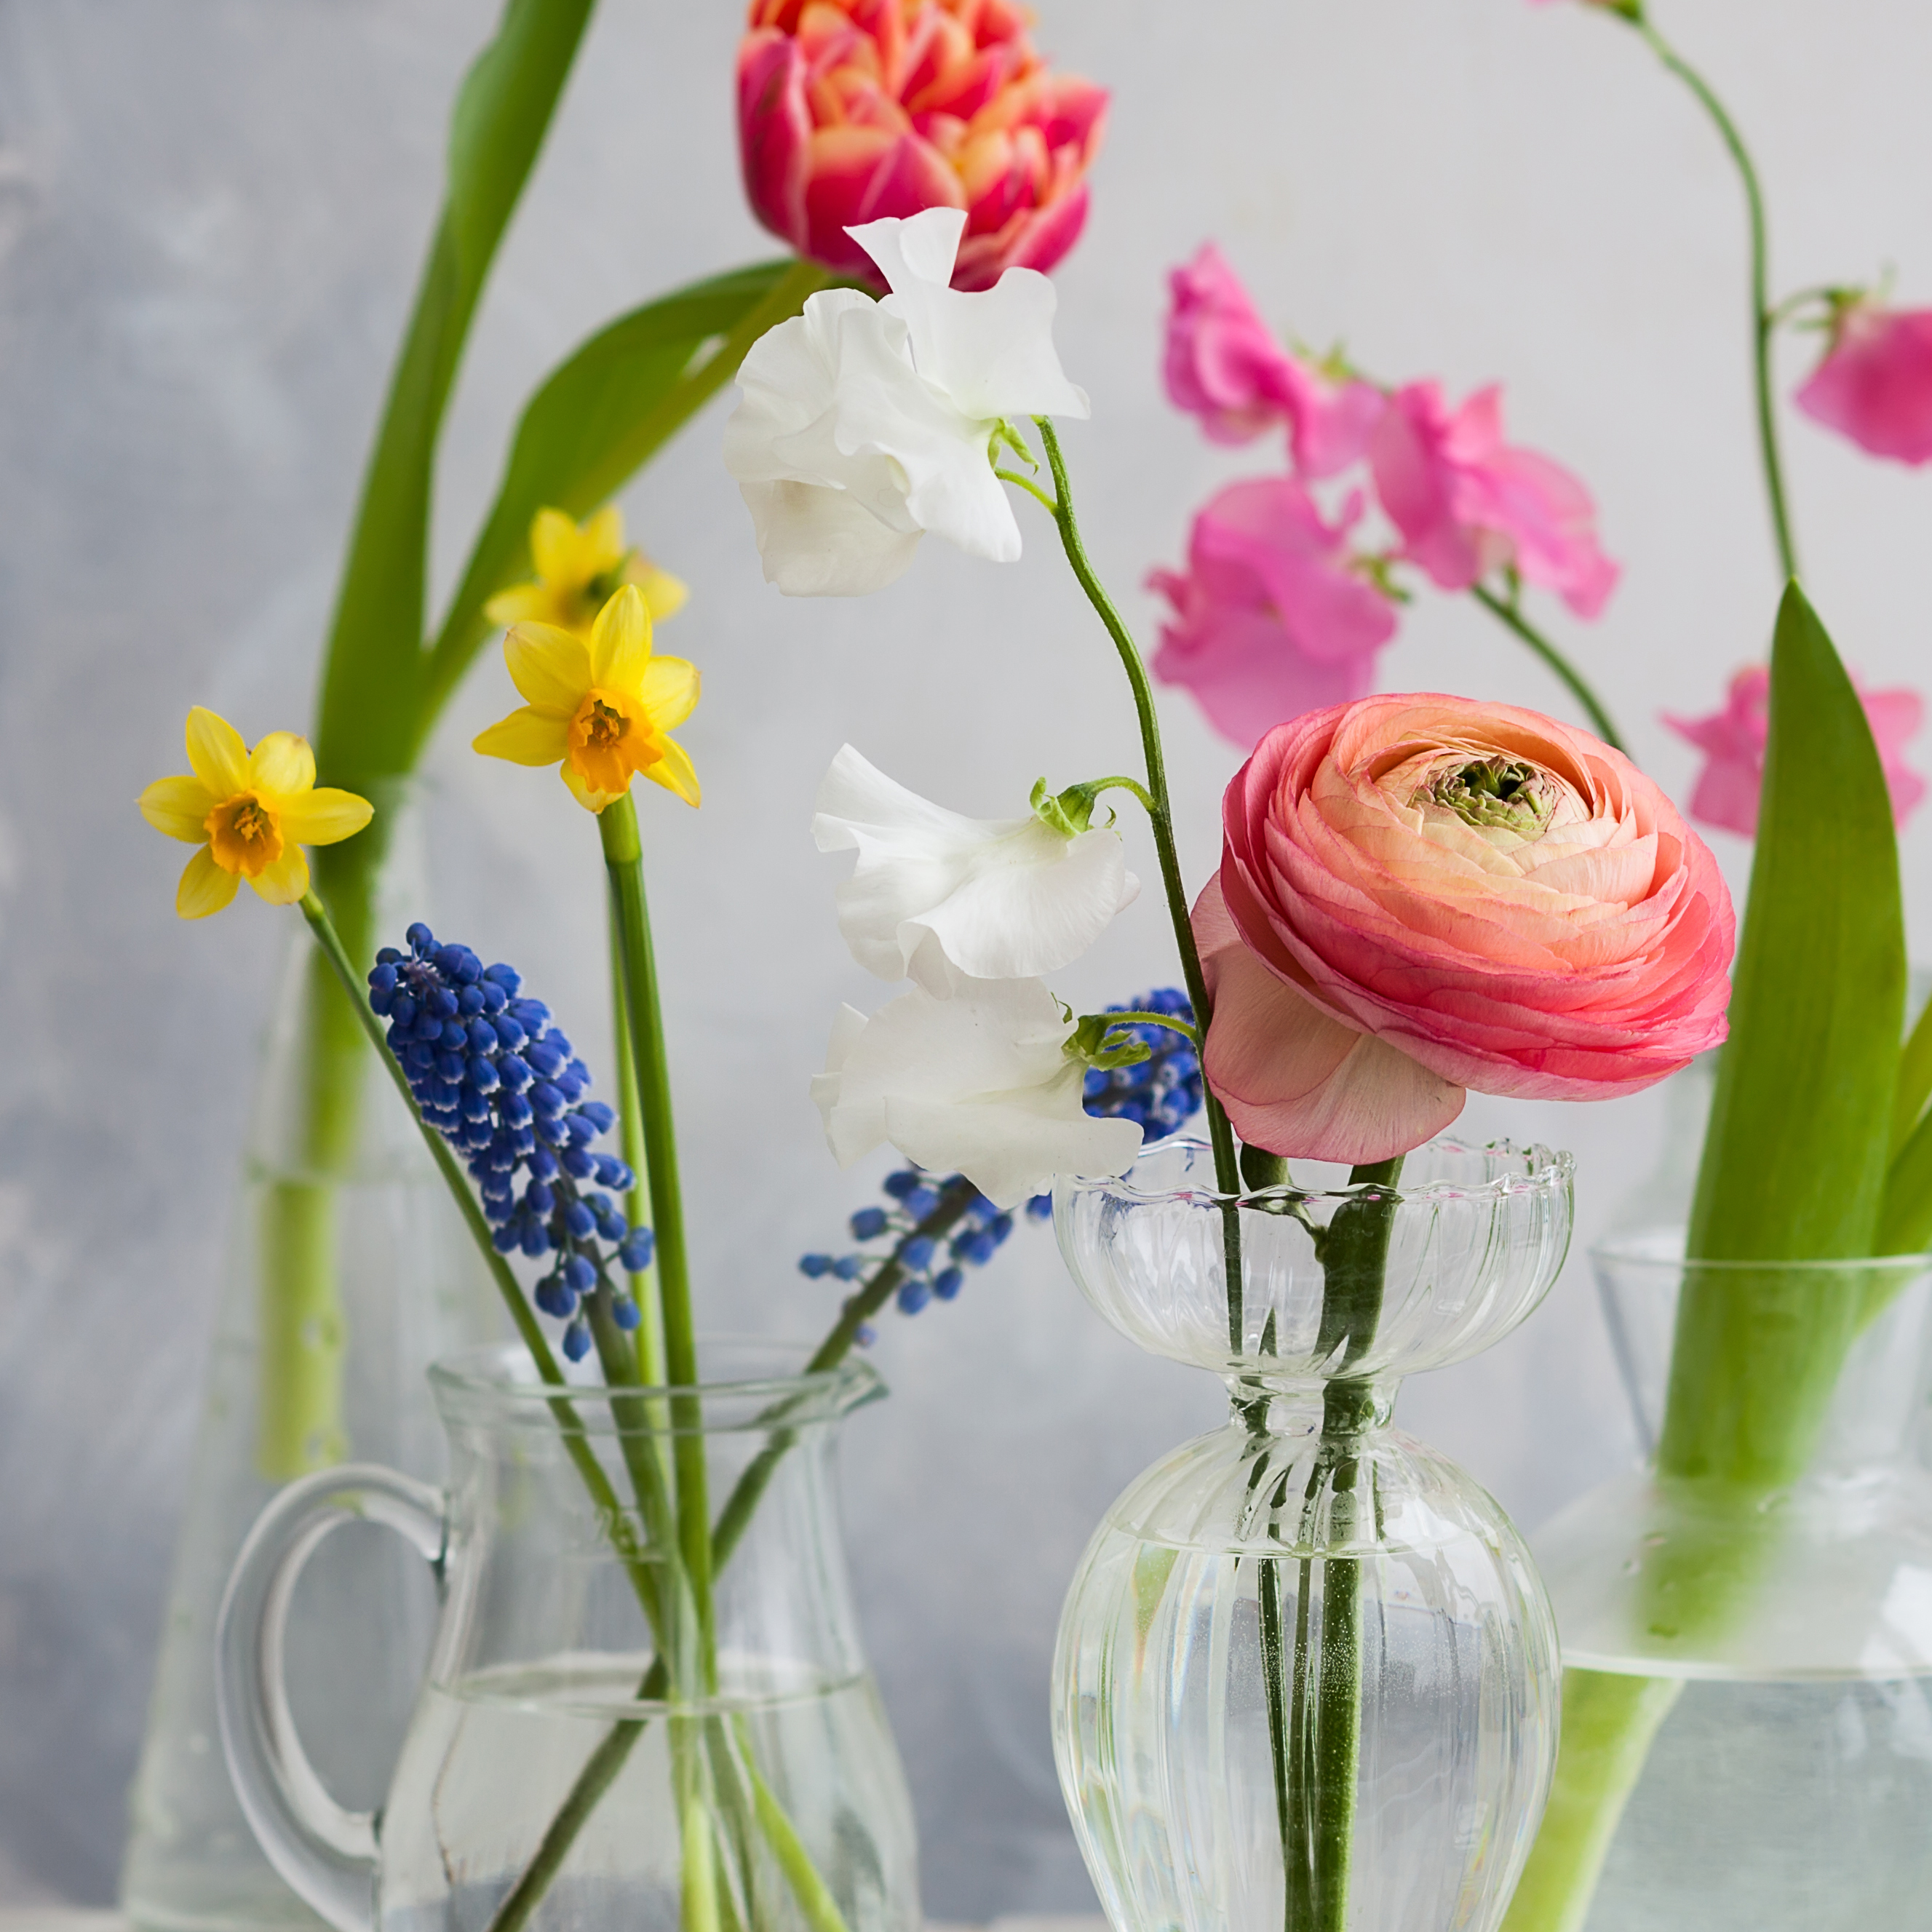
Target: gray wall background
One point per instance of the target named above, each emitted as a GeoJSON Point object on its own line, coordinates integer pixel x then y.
{"type": "Point", "coordinates": [210, 215]}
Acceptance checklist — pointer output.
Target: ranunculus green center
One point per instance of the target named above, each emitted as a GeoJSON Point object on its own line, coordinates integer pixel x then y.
{"type": "Point", "coordinates": [1508, 793]}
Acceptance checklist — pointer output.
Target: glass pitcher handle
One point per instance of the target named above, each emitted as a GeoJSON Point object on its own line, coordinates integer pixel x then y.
{"type": "Point", "coordinates": [326, 1853]}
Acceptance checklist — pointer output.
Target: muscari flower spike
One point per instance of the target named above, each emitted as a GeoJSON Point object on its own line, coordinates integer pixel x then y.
{"type": "Point", "coordinates": [498, 1080]}
{"type": "Point", "coordinates": [1161, 1093]}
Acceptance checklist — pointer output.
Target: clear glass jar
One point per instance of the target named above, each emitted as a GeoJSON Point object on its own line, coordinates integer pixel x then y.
{"type": "Point", "coordinates": [1764, 1630]}
{"type": "Point", "coordinates": [590, 1748]}
{"type": "Point", "coordinates": [348, 1272]}
{"type": "Point", "coordinates": [1306, 1673]}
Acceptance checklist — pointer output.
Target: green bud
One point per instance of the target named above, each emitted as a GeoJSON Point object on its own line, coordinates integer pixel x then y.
{"type": "Point", "coordinates": [1069, 812]}
{"type": "Point", "coordinates": [1089, 1044]}
{"type": "Point", "coordinates": [1508, 794]}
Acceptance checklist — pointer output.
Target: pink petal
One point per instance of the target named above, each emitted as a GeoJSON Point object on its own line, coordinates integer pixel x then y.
{"type": "Point", "coordinates": [1293, 1080]}
{"type": "Point", "coordinates": [1875, 383]}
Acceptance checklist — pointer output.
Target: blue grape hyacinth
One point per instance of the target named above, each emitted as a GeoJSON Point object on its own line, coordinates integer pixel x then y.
{"type": "Point", "coordinates": [495, 1079]}
{"type": "Point", "coordinates": [1163, 1092]}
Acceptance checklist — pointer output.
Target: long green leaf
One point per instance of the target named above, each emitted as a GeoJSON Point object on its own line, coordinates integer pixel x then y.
{"type": "Point", "coordinates": [600, 415]}
{"type": "Point", "coordinates": [366, 724]}
{"type": "Point", "coordinates": [1794, 1159]}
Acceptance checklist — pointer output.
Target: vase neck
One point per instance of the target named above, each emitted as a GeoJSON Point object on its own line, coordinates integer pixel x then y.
{"type": "Point", "coordinates": [1336, 1410]}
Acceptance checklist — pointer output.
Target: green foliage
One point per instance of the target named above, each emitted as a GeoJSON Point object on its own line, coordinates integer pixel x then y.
{"type": "Point", "coordinates": [599, 416]}
{"type": "Point", "coordinates": [1800, 1138]}
{"type": "Point", "coordinates": [502, 114]}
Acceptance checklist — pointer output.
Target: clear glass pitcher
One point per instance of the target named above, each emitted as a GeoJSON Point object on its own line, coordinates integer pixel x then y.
{"type": "Point", "coordinates": [1306, 1675]}
{"type": "Point", "coordinates": [600, 1740]}
{"type": "Point", "coordinates": [1758, 1639]}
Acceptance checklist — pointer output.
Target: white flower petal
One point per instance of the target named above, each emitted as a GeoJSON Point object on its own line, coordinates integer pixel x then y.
{"type": "Point", "coordinates": [817, 541]}
{"type": "Point", "coordinates": [989, 899]}
{"type": "Point", "coordinates": [977, 1083]}
{"type": "Point", "coordinates": [991, 352]}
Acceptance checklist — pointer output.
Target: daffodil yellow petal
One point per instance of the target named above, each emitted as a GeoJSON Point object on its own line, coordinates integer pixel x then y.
{"type": "Point", "coordinates": [553, 544]}
{"type": "Point", "coordinates": [669, 689]}
{"type": "Point", "coordinates": [601, 539]}
{"type": "Point", "coordinates": [674, 772]}
{"type": "Point", "coordinates": [620, 642]}
{"type": "Point", "coordinates": [521, 603]}
{"type": "Point", "coordinates": [281, 763]}
{"type": "Point", "coordinates": [283, 880]}
{"type": "Point", "coordinates": [526, 737]}
{"type": "Point", "coordinates": [204, 888]}
{"type": "Point", "coordinates": [216, 754]}
{"type": "Point", "coordinates": [586, 796]}
{"type": "Point", "coordinates": [665, 596]}
{"type": "Point", "coordinates": [549, 667]}
{"type": "Point", "coordinates": [324, 816]}
{"type": "Point", "coordinates": [179, 807]}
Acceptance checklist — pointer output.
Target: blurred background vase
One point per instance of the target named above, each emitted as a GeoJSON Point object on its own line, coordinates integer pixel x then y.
{"type": "Point", "coordinates": [1230, 1587]}
{"type": "Point", "coordinates": [1775, 1623]}
{"type": "Point", "coordinates": [348, 1272]}
{"type": "Point", "coordinates": [592, 1750]}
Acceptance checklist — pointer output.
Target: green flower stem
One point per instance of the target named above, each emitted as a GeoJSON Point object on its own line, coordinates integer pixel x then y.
{"type": "Point", "coordinates": [602, 1768]}
{"type": "Point", "coordinates": [1764, 317]}
{"type": "Point", "coordinates": [1160, 817]}
{"type": "Point", "coordinates": [1609, 1723]}
{"type": "Point", "coordinates": [648, 1342]}
{"type": "Point", "coordinates": [1507, 611]}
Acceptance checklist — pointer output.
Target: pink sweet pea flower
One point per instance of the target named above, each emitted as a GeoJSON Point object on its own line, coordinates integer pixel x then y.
{"type": "Point", "coordinates": [1467, 503]}
{"type": "Point", "coordinates": [1222, 364]}
{"type": "Point", "coordinates": [1419, 894]}
{"type": "Point", "coordinates": [1875, 383]}
{"type": "Point", "coordinates": [850, 111]}
{"type": "Point", "coordinates": [1269, 620]}
{"type": "Point", "coordinates": [1733, 741]}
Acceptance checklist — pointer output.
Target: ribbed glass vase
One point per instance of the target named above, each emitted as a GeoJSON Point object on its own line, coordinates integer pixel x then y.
{"type": "Point", "coordinates": [1306, 1676]}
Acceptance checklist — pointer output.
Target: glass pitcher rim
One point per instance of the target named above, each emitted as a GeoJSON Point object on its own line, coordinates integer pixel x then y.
{"type": "Point", "coordinates": [502, 1376]}
{"type": "Point", "coordinates": [1660, 1251]}
{"type": "Point", "coordinates": [1547, 1167]}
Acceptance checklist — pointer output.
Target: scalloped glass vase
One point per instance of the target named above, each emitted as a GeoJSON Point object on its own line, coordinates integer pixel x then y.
{"type": "Point", "coordinates": [1306, 1675]}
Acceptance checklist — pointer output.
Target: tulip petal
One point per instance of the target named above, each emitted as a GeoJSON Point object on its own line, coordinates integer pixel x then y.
{"type": "Point", "coordinates": [179, 807]}
{"type": "Point", "coordinates": [669, 688]}
{"type": "Point", "coordinates": [216, 754]}
{"type": "Point", "coordinates": [283, 762]}
{"type": "Point", "coordinates": [283, 880]}
{"type": "Point", "coordinates": [620, 642]}
{"type": "Point", "coordinates": [526, 737]}
{"type": "Point", "coordinates": [325, 816]}
{"type": "Point", "coordinates": [204, 887]}
{"type": "Point", "coordinates": [672, 770]}
{"type": "Point", "coordinates": [549, 667]}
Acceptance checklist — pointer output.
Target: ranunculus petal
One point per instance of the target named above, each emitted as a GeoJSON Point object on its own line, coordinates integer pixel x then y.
{"type": "Point", "coordinates": [1295, 1081]}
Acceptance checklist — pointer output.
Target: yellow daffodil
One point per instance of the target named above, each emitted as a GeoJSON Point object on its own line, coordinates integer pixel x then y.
{"type": "Point", "coordinates": [599, 707]}
{"type": "Point", "coordinates": [250, 812]}
{"type": "Point", "coordinates": [579, 568]}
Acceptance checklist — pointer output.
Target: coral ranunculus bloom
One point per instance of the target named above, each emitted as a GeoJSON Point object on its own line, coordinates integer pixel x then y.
{"type": "Point", "coordinates": [1875, 383]}
{"type": "Point", "coordinates": [850, 111]}
{"type": "Point", "coordinates": [1419, 894]}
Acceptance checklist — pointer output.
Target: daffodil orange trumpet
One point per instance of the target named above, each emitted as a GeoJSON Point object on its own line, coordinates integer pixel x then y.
{"type": "Point", "coordinates": [601, 708]}
{"type": "Point", "coordinates": [250, 812]}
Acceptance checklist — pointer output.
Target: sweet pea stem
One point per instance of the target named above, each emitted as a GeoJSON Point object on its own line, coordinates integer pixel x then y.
{"type": "Point", "coordinates": [1160, 817]}
{"type": "Point", "coordinates": [1764, 317]}
{"type": "Point", "coordinates": [1508, 612]}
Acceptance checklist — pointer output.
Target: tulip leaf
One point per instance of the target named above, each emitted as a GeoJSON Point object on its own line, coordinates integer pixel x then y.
{"type": "Point", "coordinates": [1794, 1159]}
{"type": "Point", "coordinates": [501, 113]}
{"type": "Point", "coordinates": [602, 413]}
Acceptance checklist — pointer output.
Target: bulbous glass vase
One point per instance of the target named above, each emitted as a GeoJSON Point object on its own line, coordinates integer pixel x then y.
{"type": "Point", "coordinates": [1305, 1674]}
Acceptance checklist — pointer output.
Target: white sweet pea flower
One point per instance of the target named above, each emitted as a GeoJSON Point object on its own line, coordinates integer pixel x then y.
{"type": "Point", "coordinates": [977, 1084]}
{"type": "Point", "coordinates": [864, 424]}
{"type": "Point", "coordinates": [936, 895]}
